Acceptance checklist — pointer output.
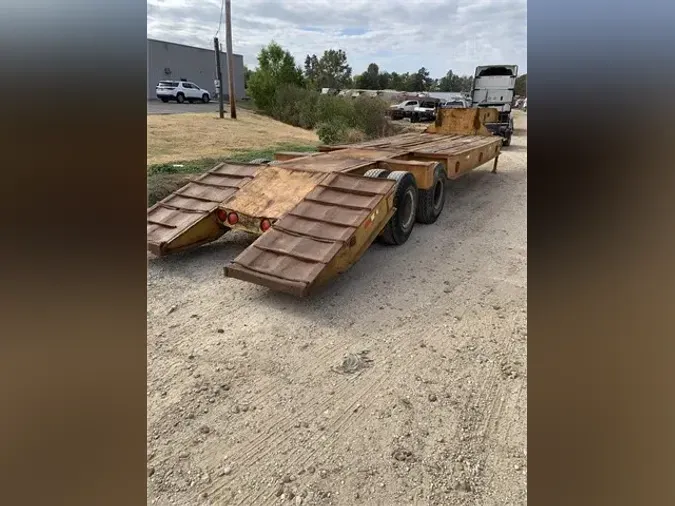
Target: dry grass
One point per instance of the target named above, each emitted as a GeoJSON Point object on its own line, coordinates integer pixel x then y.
{"type": "Point", "coordinates": [191, 136]}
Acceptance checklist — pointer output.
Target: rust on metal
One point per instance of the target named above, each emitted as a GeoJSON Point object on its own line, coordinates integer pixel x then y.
{"type": "Point", "coordinates": [306, 243]}
{"type": "Point", "coordinates": [357, 185]}
{"type": "Point", "coordinates": [173, 220]}
{"type": "Point", "coordinates": [314, 229]}
{"type": "Point", "coordinates": [333, 214]}
{"type": "Point", "coordinates": [301, 247]}
{"type": "Point", "coordinates": [469, 121]}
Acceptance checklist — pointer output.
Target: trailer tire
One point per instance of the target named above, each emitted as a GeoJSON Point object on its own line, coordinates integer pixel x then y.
{"type": "Point", "coordinates": [507, 141]}
{"type": "Point", "coordinates": [399, 227]}
{"type": "Point", "coordinates": [377, 173]}
{"type": "Point", "coordinates": [260, 161]}
{"type": "Point", "coordinates": [431, 201]}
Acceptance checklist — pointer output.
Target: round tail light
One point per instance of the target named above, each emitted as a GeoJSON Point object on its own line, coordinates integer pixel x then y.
{"type": "Point", "coordinates": [265, 225]}
{"type": "Point", "coordinates": [222, 215]}
{"type": "Point", "coordinates": [233, 218]}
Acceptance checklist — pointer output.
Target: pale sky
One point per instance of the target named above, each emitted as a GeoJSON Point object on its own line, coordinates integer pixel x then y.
{"type": "Point", "coordinates": [399, 36]}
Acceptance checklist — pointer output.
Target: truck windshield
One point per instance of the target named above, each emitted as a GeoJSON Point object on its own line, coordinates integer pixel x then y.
{"type": "Point", "coordinates": [496, 71]}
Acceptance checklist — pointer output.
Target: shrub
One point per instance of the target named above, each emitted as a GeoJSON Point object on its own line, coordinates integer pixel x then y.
{"type": "Point", "coordinates": [309, 110]}
{"type": "Point", "coordinates": [371, 116]}
{"type": "Point", "coordinates": [332, 132]}
{"type": "Point", "coordinates": [261, 88]}
{"type": "Point", "coordinates": [295, 106]}
{"type": "Point", "coordinates": [338, 119]}
{"type": "Point", "coordinates": [332, 108]}
{"type": "Point", "coordinates": [353, 135]}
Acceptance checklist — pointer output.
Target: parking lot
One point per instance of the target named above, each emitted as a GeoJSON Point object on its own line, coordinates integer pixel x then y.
{"type": "Point", "coordinates": [159, 107]}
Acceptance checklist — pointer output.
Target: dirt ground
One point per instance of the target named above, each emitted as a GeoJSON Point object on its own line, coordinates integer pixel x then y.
{"type": "Point", "coordinates": [403, 383]}
{"type": "Point", "coordinates": [175, 137]}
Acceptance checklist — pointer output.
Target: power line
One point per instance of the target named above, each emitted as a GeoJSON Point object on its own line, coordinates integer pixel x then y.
{"type": "Point", "coordinates": [220, 22]}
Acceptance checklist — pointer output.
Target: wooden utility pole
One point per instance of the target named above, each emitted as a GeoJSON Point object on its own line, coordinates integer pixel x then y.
{"type": "Point", "coordinates": [219, 77]}
{"type": "Point", "coordinates": [230, 59]}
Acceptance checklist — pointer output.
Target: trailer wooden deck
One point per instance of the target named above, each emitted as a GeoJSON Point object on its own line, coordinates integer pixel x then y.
{"type": "Point", "coordinates": [459, 153]}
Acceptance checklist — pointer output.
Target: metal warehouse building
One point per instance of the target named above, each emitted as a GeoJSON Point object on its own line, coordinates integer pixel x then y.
{"type": "Point", "coordinates": [167, 60]}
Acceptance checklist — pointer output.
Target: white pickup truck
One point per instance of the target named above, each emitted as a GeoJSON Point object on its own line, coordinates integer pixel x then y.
{"type": "Point", "coordinates": [426, 111]}
{"type": "Point", "coordinates": [404, 109]}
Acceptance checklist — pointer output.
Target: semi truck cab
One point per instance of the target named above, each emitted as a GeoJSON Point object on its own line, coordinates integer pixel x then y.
{"type": "Point", "coordinates": [493, 86]}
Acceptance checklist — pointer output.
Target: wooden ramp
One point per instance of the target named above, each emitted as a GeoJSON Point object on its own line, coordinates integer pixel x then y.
{"type": "Point", "coordinates": [322, 236]}
{"type": "Point", "coordinates": [187, 217]}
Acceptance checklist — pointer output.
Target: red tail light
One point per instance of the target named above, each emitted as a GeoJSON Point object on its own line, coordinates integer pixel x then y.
{"type": "Point", "coordinates": [233, 218]}
{"type": "Point", "coordinates": [222, 215]}
{"type": "Point", "coordinates": [265, 225]}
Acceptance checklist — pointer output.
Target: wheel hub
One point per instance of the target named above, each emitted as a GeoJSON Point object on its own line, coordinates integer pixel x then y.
{"type": "Point", "coordinates": [407, 206]}
{"type": "Point", "coordinates": [438, 194]}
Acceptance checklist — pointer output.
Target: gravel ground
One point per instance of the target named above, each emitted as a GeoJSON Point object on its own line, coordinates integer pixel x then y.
{"type": "Point", "coordinates": [403, 382]}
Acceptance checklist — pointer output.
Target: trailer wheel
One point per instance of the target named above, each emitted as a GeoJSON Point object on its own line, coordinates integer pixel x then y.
{"type": "Point", "coordinates": [377, 173]}
{"type": "Point", "coordinates": [432, 201]}
{"type": "Point", "coordinates": [400, 226]}
{"type": "Point", "coordinates": [507, 141]}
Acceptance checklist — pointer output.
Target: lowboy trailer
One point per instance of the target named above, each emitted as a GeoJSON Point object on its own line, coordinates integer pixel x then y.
{"type": "Point", "coordinates": [317, 213]}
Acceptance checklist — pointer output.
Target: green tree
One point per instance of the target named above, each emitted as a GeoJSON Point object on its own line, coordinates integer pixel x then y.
{"type": "Point", "coordinates": [370, 79]}
{"type": "Point", "coordinates": [396, 82]}
{"type": "Point", "coordinates": [446, 83]}
{"type": "Point", "coordinates": [312, 71]}
{"type": "Point", "coordinates": [521, 86]}
{"type": "Point", "coordinates": [329, 71]}
{"type": "Point", "coordinates": [420, 80]}
{"type": "Point", "coordinates": [334, 70]}
{"type": "Point", "coordinates": [384, 81]}
{"type": "Point", "coordinates": [247, 75]}
{"type": "Point", "coordinates": [276, 67]}
{"type": "Point", "coordinates": [454, 82]}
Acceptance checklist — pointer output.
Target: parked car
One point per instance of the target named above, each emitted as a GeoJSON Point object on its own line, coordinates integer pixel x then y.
{"type": "Point", "coordinates": [455, 103]}
{"type": "Point", "coordinates": [180, 91]}
{"type": "Point", "coordinates": [404, 109]}
{"type": "Point", "coordinates": [426, 111]}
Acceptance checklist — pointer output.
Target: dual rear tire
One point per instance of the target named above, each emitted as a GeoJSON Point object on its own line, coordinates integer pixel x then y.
{"type": "Point", "coordinates": [400, 225]}
{"type": "Point", "coordinates": [411, 204]}
{"type": "Point", "coordinates": [431, 201]}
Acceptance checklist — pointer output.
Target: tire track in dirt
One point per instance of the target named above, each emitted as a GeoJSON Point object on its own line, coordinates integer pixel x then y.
{"type": "Point", "coordinates": [434, 337]}
{"type": "Point", "coordinates": [345, 399]}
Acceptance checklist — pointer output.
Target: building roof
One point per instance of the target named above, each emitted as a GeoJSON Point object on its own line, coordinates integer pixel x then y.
{"type": "Point", "coordinates": [185, 45]}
